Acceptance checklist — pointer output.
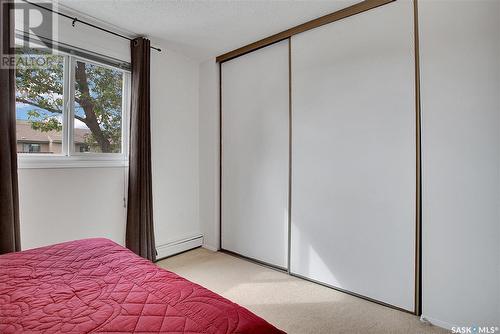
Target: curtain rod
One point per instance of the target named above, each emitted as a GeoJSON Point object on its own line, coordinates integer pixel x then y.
{"type": "Point", "coordinates": [75, 19]}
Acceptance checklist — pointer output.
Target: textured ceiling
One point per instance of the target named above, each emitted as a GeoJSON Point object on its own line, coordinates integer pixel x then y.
{"type": "Point", "coordinates": [202, 29]}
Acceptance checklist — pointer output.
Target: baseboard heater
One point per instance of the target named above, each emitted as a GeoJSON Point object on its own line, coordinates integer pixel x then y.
{"type": "Point", "coordinates": [179, 246]}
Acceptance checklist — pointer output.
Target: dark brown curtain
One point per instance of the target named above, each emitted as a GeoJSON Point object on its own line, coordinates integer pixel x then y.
{"type": "Point", "coordinates": [140, 232]}
{"type": "Point", "coordinates": [9, 203]}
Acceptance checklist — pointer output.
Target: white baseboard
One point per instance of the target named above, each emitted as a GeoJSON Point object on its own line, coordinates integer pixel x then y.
{"type": "Point", "coordinates": [179, 246]}
{"type": "Point", "coordinates": [436, 322]}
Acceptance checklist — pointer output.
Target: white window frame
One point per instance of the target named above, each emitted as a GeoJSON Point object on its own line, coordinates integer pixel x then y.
{"type": "Point", "coordinates": [69, 158]}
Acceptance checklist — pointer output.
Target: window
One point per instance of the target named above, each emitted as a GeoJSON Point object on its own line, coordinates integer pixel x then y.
{"type": "Point", "coordinates": [70, 109]}
{"type": "Point", "coordinates": [97, 108]}
{"type": "Point", "coordinates": [31, 148]}
{"type": "Point", "coordinates": [39, 104]}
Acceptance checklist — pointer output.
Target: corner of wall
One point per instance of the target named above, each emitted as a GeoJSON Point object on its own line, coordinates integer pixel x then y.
{"type": "Point", "coordinates": [209, 152]}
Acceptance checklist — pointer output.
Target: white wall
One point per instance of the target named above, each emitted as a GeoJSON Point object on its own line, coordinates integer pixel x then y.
{"type": "Point", "coordinates": [58, 205]}
{"type": "Point", "coordinates": [174, 126]}
{"type": "Point", "coordinates": [460, 76]}
{"type": "Point", "coordinates": [209, 153]}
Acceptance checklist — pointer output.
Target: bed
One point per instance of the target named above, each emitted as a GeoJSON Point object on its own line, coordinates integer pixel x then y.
{"type": "Point", "coordinates": [97, 286]}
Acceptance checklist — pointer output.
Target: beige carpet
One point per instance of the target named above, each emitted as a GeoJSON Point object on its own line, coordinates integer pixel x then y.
{"type": "Point", "coordinates": [291, 304]}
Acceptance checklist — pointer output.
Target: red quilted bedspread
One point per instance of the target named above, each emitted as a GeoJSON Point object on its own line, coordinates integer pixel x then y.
{"type": "Point", "coordinates": [97, 286]}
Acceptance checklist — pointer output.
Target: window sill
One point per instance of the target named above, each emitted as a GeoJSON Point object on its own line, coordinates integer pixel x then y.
{"type": "Point", "coordinates": [27, 162]}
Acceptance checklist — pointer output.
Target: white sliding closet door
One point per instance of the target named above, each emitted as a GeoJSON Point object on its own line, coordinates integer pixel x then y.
{"type": "Point", "coordinates": [353, 158]}
{"type": "Point", "coordinates": [255, 91]}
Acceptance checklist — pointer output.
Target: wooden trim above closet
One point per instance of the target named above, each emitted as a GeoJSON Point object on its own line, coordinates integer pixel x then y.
{"type": "Point", "coordinates": [329, 18]}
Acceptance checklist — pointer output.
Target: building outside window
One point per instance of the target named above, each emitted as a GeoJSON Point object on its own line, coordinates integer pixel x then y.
{"type": "Point", "coordinates": [30, 148]}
